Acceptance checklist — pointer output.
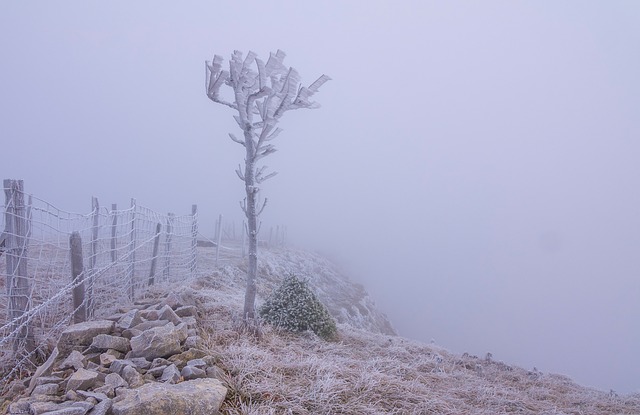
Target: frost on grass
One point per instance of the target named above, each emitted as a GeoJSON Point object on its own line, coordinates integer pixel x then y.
{"type": "Point", "coordinates": [294, 307]}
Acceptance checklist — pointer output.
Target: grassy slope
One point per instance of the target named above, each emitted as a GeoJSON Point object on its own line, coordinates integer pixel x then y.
{"type": "Point", "coordinates": [365, 372]}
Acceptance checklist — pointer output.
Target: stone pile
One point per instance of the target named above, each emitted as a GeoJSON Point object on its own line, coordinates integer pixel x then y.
{"type": "Point", "coordinates": [143, 360]}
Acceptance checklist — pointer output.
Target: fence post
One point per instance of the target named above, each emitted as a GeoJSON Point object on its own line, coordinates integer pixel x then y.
{"type": "Point", "coordinates": [18, 287]}
{"type": "Point", "coordinates": [242, 241]}
{"type": "Point", "coordinates": [95, 209]}
{"type": "Point", "coordinates": [79, 305]}
{"type": "Point", "coordinates": [132, 252]}
{"type": "Point", "coordinates": [167, 246]}
{"type": "Point", "coordinates": [114, 224]}
{"type": "Point", "coordinates": [218, 239]}
{"type": "Point", "coordinates": [194, 234]}
{"type": "Point", "coordinates": [154, 257]}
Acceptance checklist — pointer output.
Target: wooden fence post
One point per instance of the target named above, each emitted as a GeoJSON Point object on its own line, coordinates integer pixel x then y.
{"type": "Point", "coordinates": [194, 234]}
{"type": "Point", "coordinates": [132, 252]}
{"type": "Point", "coordinates": [167, 246]}
{"type": "Point", "coordinates": [95, 209]}
{"type": "Point", "coordinates": [77, 276]}
{"type": "Point", "coordinates": [218, 238]}
{"type": "Point", "coordinates": [114, 224]}
{"type": "Point", "coordinates": [154, 256]}
{"type": "Point", "coordinates": [17, 283]}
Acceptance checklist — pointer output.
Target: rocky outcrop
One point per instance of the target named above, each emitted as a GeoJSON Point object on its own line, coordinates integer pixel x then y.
{"type": "Point", "coordinates": [144, 360]}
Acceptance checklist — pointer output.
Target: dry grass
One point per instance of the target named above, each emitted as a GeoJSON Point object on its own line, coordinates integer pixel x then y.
{"type": "Point", "coordinates": [367, 373]}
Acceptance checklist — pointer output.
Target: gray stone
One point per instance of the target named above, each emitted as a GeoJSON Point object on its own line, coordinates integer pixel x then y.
{"type": "Point", "coordinates": [130, 319]}
{"type": "Point", "coordinates": [170, 374]}
{"type": "Point", "coordinates": [72, 410]}
{"type": "Point", "coordinates": [197, 363]}
{"type": "Point", "coordinates": [214, 372]}
{"type": "Point", "coordinates": [108, 390]}
{"type": "Point", "coordinates": [167, 313]}
{"type": "Point", "coordinates": [106, 359]}
{"type": "Point", "coordinates": [183, 331]}
{"type": "Point", "coordinates": [156, 371]}
{"type": "Point", "coordinates": [46, 389]}
{"type": "Point", "coordinates": [48, 379]}
{"type": "Point", "coordinates": [75, 360]}
{"type": "Point", "coordinates": [129, 333]}
{"type": "Point", "coordinates": [106, 342]}
{"type": "Point", "coordinates": [150, 324]}
{"type": "Point", "coordinates": [102, 408]}
{"type": "Point", "coordinates": [149, 315]}
{"type": "Point", "coordinates": [192, 372]}
{"type": "Point", "coordinates": [192, 342]}
{"type": "Point", "coordinates": [186, 311]}
{"type": "Point", "coordinates": [82, 379]}
{"type": "Point", "coordinates": [96, 395]}
{"type": "Point", "coordinates": [191, 321]}
{"type": "Point", "coordinates": [132, 377]}
{"type": "Point", "coordinates": [194, 397]}
{"type": "Point", "coordinates": [79, 336]}
{"type": "Point", "coordinates": [159, 361]}
{"type": "Point", "coordinates": [20, 407]}
{"type": "Point", "coordinates": [160, 341]}
{"type": "Point", "coordinates": [37, 408]}
{"type": "Point", "coordinates": [115, 381]}
{"type": "Point", "coordinates": [140, 362]}
{"type": "Point", "coordinates": [87, 406]}
{"type": "Point", "coordinates": [119, 364]}
{"type": "Point", "coordinates": [172, 301]}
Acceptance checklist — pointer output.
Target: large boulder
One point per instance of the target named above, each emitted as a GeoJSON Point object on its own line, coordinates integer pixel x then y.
{"type": "Point", "coordinates": [79, 336]}
{"type": "Point", "coordinates": [155, 342]}
{"type": "Point", "coordinates": [194, 397]}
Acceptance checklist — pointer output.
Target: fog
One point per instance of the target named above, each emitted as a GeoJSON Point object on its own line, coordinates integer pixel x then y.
{"type": "Point", "coordinates": [474, 165]}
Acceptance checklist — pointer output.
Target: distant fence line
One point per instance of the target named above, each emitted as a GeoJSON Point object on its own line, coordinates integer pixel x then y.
{"type": "Point", "coordinates": [59, 267]}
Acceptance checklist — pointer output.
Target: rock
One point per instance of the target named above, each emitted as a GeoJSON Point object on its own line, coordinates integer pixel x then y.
{"type": "Point", "coordinates": [82, 379]}
{"type": "Point", "coordinates": [79, 336]}
{"type": "Point", "coordinates": [105, 342]}
{"type": "Point", "coordinates": [46, 389]}
{"type": "Point", "coordinates": [19, 407]}
{"type": "Point", "coordinates": [192, 342]}
{"type": "Point", "coordinates": [72, 410]}
{"type": "Point", "coordinates": [129, 333]}
{"type": "Point", "coordinates": [156, 371]}
{"type": "Point", "coordinates": [183, 331]}
{"type": "Point", "coordinates": [172, 301]}
{"type": "Point", "coordinates": [43, 370]}
{"type": "Point", "coordinates": [194, 397]}
{"type": "Point", "coordinates": [197, 363]}
{"type": "Point", "coordinates": [191, 321]}
{"type": "Point", "coordinates": [192, 372]}
{"type": "Point", "coordinates": [160, 341]}
{"type": "Point", "coordinates": [107, 390]}
{"type": "Point", "coordinates": [187, 311]}
{"type": "Point", "coordinates": [132, 377]}
{"type": "Point", "coordinates": [214, 372]}
{"type": "Point", "coordinates": [106, 359]}
{"type": "Point", "coordinates": [149, 314]}
{"type": "Point", "coordinates": [115, 381]}
{"type": "Point", "coordinates": [87, 406]}
{"type": "Point", "coordinates": [119, 364]}
{"type": "Point", "coordinates": [170, 374]}
{"type": "Point", "coordinates": [37, 408]}
{"type": "Point", "coordinates": [181, 359]}
{"type": "Point", "coordinates": [75, 361]}
{"type": "Point", "coordinates": [167, 313]}
{"type": "Point", "coordinates": [146, 325]}
{"type": "Point", "coordinates": [130, 319]}
{"type": "Point", "coordinates": [48, 379]}
{"type": "Point", "coordinates": [159, 361]}
{"type": "Point", "coordinates": [141, 362]}
{"type": "Point", "coordinates": [96, 395]}
{"type": "Point", "coordinates": [102, 408]}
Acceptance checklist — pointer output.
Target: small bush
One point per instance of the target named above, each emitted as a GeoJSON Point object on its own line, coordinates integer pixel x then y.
{"type": "Point", "coordinates": [294, 307]}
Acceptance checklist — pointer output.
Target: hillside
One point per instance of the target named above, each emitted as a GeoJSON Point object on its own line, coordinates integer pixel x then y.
{"type": "Point", "coordinates": [369, 370]}
{"type": "Point", "coordinates": [366, 370]}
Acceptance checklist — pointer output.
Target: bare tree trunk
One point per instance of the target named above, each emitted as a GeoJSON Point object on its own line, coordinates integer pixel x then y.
{"type": "Point", "coordinates": [250, 212]}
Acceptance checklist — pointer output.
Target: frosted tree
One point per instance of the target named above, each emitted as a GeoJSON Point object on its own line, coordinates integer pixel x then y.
{"type": "Point", "coordinates": [261, 94]}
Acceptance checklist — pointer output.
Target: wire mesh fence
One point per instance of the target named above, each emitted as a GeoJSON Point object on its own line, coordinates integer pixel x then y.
{"type": "Point", "coordinates": [117, 254]}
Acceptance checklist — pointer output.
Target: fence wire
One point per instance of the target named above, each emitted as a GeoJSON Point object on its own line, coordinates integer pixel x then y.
{"type": "Point", "coordinates": [123, 252]}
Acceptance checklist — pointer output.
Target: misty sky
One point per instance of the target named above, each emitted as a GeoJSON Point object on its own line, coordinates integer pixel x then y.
{"type": "Point", "coordinates": [474, 164]}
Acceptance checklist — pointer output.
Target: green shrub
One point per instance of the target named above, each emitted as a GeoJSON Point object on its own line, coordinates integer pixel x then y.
{"type": "Point", "coordinates": [294, 307]}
